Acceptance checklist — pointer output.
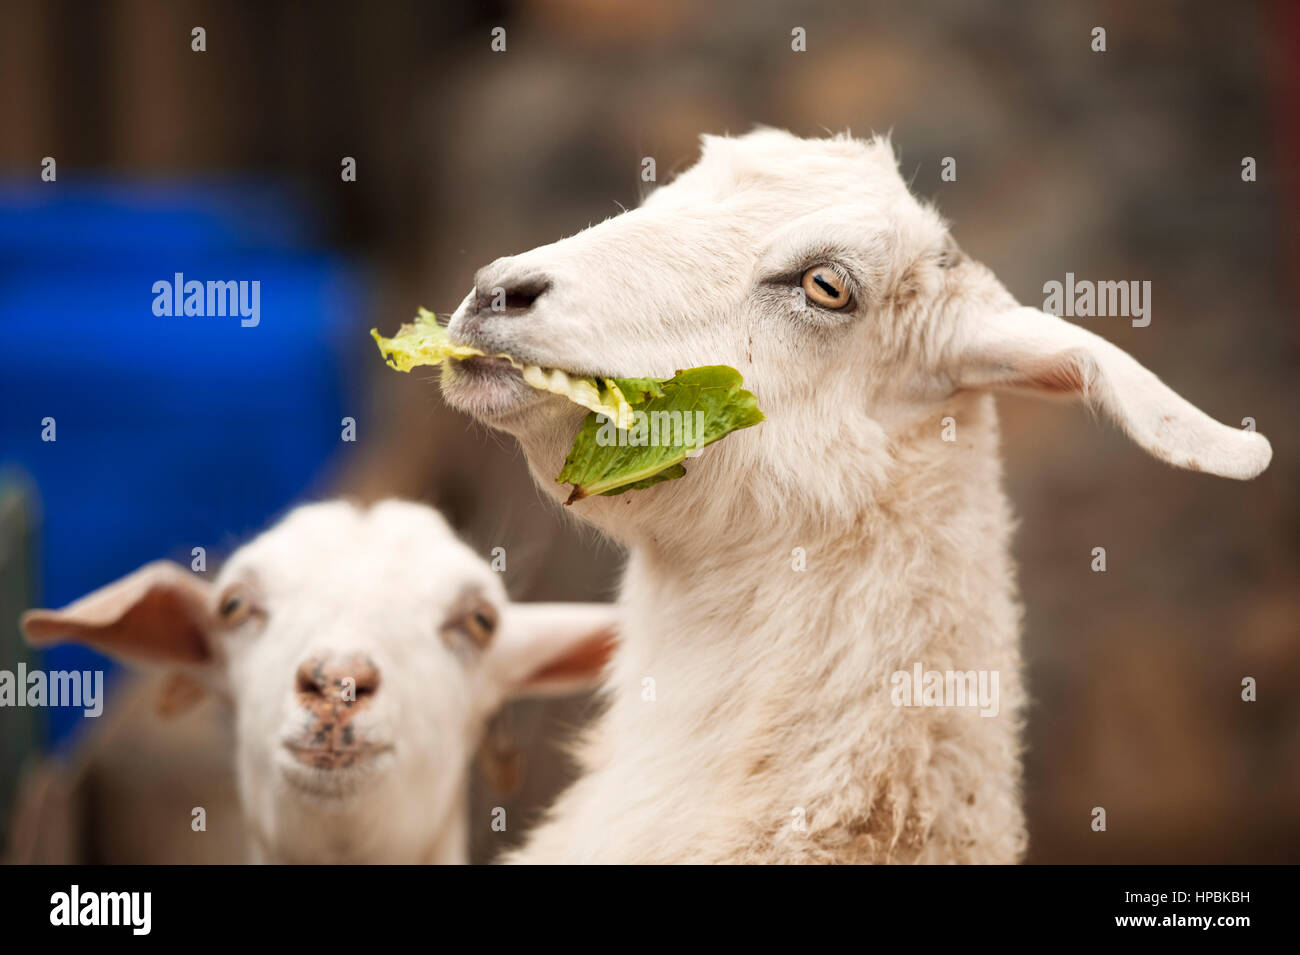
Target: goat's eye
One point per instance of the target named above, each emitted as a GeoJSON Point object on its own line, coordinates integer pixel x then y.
{"type": "Point", "coordinates": [234, 607]}
{"type": "Point", "coordinates": [480, 622]}
{"type": "Point", "coordinates": [825, 287]}
{"type": "Point", "coordinates": [474, 618]}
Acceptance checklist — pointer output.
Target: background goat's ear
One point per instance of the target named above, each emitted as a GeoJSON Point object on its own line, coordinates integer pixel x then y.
{"type": "Point", "coordinates": [501, 761]}
{"type": "Point", "coordinates": [179, 693]}
{"type": "Point", "coordinates": [1024, 349]}
{"type": "Point", "coordinates": [545, 649]}
{"type": "Point", "coordinates": [159, 614]}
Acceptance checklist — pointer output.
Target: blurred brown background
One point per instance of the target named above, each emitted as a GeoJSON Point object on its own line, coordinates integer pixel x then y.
{"type": "Point", "coordinates": [1117, 165]}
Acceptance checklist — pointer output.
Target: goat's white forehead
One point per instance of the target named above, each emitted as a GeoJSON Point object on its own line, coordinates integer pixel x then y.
{"type": "Point", "coordinates": [840, 165]}
{"type": "Point", "coordinates": [394, 551]}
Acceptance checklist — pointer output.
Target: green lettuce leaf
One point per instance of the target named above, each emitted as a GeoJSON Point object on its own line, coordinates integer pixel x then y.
{"type": "Point", "coordinates": [639, 431]}
{"type": "Point", "coordinates": [673, 418]}
{"type": "Point", "coordinates": [425, 342]}
{"type": "Point", "coordinates": [421, 342]}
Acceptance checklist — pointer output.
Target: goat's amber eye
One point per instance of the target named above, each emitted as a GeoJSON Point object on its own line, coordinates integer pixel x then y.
{"type": "Point", "coordinates": [824, 286]}
{"type": "Point", "coordinates": [235, 606]}
{"type": "Point", "coordinates": [482, 624]}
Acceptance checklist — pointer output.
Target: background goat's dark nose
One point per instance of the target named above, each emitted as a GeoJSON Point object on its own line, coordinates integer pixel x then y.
{"type": "Point", "coordinates": [513, 295]}
{"type": "Point", "coordinates": [323, 678]}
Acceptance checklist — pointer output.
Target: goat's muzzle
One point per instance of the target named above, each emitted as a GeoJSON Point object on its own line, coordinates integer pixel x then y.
{"type": "Point", "coordinates": [333, 690]}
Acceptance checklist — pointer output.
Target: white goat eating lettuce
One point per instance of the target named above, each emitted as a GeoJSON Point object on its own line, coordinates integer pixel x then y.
{"type": "Point", "coordinates": [776, 590]}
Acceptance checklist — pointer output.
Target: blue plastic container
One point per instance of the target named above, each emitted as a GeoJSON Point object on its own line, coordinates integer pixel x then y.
{"type": "Point", "coordinates": [171, 432]}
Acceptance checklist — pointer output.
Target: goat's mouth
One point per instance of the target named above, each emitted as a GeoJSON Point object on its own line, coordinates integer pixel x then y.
{"type": "Point", "coordinates": [485, 364]}
{"type": "Point", "coordinates": [494, 390]}
{"type": "Point", "coordinates": [326, 770]}
{"type": "Point", "coordinates": [501, 384]}
{"type": "Point", "coordinates": [486, 387]}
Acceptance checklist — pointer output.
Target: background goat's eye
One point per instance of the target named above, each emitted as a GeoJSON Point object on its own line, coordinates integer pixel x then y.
{"type": "Point", "coordinates": [482, 624]}
{"type": "Point", "coordinates": [234, 607]}
{"type": "Point", "coordinates": [824, 287]}
{"type": "Point", "coordinates": [475, 618]}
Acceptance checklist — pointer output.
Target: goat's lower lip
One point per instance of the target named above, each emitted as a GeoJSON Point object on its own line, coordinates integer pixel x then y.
{"type": "Point", "coordinates": [482, 369]}
{"type": "Point", "coordinates": [338, 782]}
{"type": "Point", "coordinates": [486, 387]}
{"type": "Point", "coordinates": [485, 363]}
{"type": "Point", "coordinates": [336, 760]}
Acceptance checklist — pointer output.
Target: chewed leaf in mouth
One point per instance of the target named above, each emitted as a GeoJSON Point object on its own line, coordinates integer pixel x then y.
{"type": "Point", "coordinates": [639, 431]}
{"type": "Point", "coordinates": [425, 342]}
{"type": "Point", "coordinates": [603, 396]}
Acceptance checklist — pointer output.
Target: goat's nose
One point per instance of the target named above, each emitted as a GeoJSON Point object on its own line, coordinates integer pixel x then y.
{"type": "Point", "coordinates": [346, 679]}
{"type": "Point", "coordinates": [508, 294]}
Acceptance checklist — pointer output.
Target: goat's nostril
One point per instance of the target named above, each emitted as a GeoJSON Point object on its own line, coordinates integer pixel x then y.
{"type": "Point", "coordinates": [311, 678]}
{"type": "Point", "coordinates": [517, 296]}
{"type": "Point", "coordinates": [522, 298]}
{"type": "Point", "coordinates": [367, 677]}
{"type": "Point", "coordinates": [345, 679]}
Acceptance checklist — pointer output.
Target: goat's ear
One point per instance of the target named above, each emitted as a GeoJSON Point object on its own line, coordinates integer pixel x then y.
{"type": "Point", "coordinates": [178, 694]}
{"type": "Point", "coordinates": [159, 614]}
{"type": "Point", "coordinates": [546, 649]}
{"type": "Point", "coordinates": [1024, 349]}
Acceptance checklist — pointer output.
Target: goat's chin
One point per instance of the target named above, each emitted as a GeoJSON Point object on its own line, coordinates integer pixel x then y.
{"type": "Point", "coordinates": [338, 784]}
{"type": "Point", "coordinates": [545, 426]}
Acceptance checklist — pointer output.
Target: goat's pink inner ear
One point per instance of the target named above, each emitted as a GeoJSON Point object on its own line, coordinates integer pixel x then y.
{"type": "Point", "coordinates": [158, 614]}
{"type": "Point", "coordinates": [581, 664]}
{"type": "Point", "coordinates": [1026, 349]}
{"type": "Point", "coordinates": [1056, 376]}
{"type": "Point", "coordinates": [178, 694]}
{"type": "Point", "coordinates": [551, 648]}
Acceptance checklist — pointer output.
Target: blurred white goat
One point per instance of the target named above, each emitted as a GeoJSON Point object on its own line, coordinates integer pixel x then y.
{"type": "Point", "coordinates": [364, 651]}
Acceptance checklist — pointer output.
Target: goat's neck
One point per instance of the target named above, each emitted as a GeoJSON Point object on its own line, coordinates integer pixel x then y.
{"type": "Point", "coordinates": [451, 845]}
{"type": "Point", "coordinates": [753, 684]}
